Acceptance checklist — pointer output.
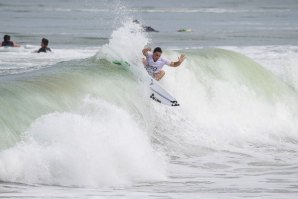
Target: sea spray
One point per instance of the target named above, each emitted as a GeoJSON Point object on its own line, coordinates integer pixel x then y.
{"type": "Point", "coordinates": [232, 100]}
{"type": "Point", "coordinates": [98, 145]}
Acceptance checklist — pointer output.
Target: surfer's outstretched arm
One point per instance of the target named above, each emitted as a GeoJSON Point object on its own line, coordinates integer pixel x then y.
{"type": "Point", "coordinates": [177, 63]}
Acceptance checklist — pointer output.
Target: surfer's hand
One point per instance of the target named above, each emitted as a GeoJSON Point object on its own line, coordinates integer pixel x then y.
{"type": "Point", "coordinates": [181, 58]}
{"type": "Point", "coordinates": [145, 51]}
{"type": "Point", "coordinates": [177, 63]}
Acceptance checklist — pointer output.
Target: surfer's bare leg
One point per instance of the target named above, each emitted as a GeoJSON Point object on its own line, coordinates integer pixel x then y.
{"type": "Point", "coordinates": [159, 75]}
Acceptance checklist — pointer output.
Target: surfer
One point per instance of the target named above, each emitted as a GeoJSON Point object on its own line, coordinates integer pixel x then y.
{"type": "Point", "coordinates": [154, 62]}
{"type": "Point", "coordinates": [145, 28]}
{"type": "Point", "coordinates": [8, 43]}
{"type": "Point", "coordinates": [44, 46]}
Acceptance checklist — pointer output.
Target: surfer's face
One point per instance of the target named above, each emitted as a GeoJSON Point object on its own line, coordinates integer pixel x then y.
{"type": "Point", "coordinates": [156, 56]}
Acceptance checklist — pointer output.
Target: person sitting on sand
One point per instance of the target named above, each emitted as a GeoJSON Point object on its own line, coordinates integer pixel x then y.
{"type": "Point", "coordinates": [8, 43]}
{"type": "Point", "coordinates": [44, 46]}
{"type": "Point", "coordinates": [154, 62]}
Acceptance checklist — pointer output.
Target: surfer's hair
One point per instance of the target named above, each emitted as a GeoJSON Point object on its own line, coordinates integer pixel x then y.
{"type": "Point", "coordinates": [157, 49]}
{"type": "Point", "coordinates": [45, 41]}
{"type": "Point", "coordinates": [6, 38]}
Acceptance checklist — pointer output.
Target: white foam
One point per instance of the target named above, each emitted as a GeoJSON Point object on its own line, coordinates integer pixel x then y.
{"type": "Point", "coordinates": [98, 145]}
{"type": "Point", "coordinates": [227, 111]}
{"type": "Point", "coordinates": [126, 43]}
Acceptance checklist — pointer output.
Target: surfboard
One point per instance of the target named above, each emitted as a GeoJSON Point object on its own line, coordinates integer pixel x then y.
{"type": "Point", "coordinates": [157, 92]}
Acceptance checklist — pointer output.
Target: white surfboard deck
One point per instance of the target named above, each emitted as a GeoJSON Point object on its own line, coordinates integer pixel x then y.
{"type": "Point", "coordinates": [160, 95]}
{"type": "Point", "coordinates": [157, 92]}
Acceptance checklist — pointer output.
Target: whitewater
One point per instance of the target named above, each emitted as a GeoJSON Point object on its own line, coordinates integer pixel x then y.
{"type": "Point", "coordinates": [75, 125]}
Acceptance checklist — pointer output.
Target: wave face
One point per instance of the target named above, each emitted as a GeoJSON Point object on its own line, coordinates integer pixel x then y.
{"type": "Point", "coordinates": [75, 124]}
{"type": "Point", "coordinates": [90, 122]}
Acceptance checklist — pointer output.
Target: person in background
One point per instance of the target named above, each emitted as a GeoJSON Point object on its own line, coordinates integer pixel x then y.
{"type": "Point", "coordinates": [154, 62]}
{"type": "Point", "coordinates": [7, 43]}
{"type": "Point", "coordinates": [145, 28]}
{"type": "Point", "coordinates": [44, 46]}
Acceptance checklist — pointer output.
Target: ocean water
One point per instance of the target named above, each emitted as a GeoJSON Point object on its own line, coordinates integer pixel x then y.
{"type": "Point", "coordinates": [75, 125]}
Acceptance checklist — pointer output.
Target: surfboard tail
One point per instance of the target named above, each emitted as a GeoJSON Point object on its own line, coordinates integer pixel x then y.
{"type": "Point", "coordinates": [163, 100]}
{"type": "Point", "coordinates": [160, 95]}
